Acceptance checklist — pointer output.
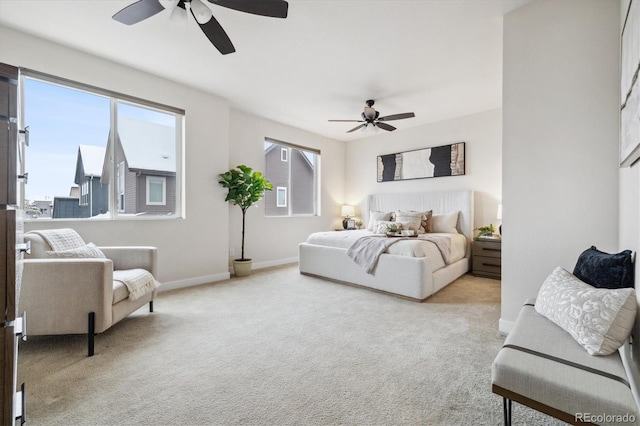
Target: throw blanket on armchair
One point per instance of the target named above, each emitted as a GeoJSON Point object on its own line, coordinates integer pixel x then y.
{"type": "Point", "coordinates": [138, 281]}
{"type": "Point", "coordinates": [61, 239]}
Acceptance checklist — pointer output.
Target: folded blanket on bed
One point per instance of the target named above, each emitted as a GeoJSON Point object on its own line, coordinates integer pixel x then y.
{"type": "Point", "coordinates": [365, 251]}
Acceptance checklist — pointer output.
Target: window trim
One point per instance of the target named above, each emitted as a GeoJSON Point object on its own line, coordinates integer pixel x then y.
{"type": "Point", "coordinates": [116, 97]}
{"type": "Point", "coordinates": [279, 190]}
{"type": "Point", "coordinates": [155, 179]}
{"type": "Point", "coordinates": [284, 154]}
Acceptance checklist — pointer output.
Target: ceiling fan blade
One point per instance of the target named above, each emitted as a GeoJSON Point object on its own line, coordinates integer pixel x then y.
{"type": "Point", "coordinates": [356, 128]}
{"type": "Point", "coordinates": [138, 11]}
{"type": "Point", "coordinates": [385, 126]}
{"type": "Point", "coordinates": [217, 35]}
{"type": "Point", "coordinates": [272, 8]}
{"type": "Point", "coordinates": [397, 116]}
{"type": "Point", "coordinates": [349, 121]}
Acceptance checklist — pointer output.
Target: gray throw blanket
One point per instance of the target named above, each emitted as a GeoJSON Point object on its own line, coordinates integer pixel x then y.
{"type": "Point", "coordinates": [365, 251]}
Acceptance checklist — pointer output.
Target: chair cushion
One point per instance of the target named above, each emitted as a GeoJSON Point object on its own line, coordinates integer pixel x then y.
{"type": "Point", "coordinates": [120, 292]}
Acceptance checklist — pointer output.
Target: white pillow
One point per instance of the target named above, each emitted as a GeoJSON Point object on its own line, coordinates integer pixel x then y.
{"type": "Point", "coordinates": [383, 227]}
{"type": "Point", "coordinates": [375, 217]}
{"type": "Point", "coordinates": [87, 251]}
{"type": "Point", "coordinates": [445, 222]}
{"type": "Point", "coordinates": [410, 220]}
{"type": "Point", "coordinates": [600, 319]}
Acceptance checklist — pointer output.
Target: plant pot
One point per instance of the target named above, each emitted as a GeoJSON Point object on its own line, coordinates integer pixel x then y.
{"type": "Point", "coordinates": [242, 268]}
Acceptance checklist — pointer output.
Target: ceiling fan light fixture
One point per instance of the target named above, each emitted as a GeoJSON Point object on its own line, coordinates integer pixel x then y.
{"type": "Point", "coordinates": [201, 12]}
{"type": "Point", "coordinates": [178, 15]}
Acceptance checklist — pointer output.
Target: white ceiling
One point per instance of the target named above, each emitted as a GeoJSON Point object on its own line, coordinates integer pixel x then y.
{"type": "Point", "coordinates": [437, 58]}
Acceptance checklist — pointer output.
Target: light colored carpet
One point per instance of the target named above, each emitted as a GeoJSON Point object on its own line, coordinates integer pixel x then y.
{"type": "Point", "coordinates": [280, 348]}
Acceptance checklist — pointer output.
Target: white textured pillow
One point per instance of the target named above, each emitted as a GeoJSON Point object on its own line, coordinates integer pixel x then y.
{"type": "Point", "coordinates": [599, 319]}
{"type": "Point", "coordinates": [375, 217]}
{"type": "Point", "coordinates": [410, 220]}
{"type": "Point", "coordinates": [445, 222]}
{"type": "Point", "coordinates": [383, 227]}
{"type": "Point", "coordinates": [87, 251]}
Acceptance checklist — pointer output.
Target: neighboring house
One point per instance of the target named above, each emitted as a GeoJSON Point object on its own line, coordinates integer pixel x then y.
{"type": "Point", "coordinates": [145, 160]}
{"type": "Point", "coordinates": [44, 206]}
{"type": "Point", "coordinates": [94, 196]}
{"type": "Point", "coordinates": [291, 173]}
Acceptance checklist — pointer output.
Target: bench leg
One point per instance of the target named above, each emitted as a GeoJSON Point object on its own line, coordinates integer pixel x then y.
{"type": "Point", "coordinates": [151, 306]}
{"type": "Point", "coordinates": [91, 332]}
{"type": "Point", "coordinates": [506, 406]}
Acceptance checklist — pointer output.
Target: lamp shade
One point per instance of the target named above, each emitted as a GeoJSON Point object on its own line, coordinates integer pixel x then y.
{"type": "Point", "coordinates": [348, 211]}
{"type": "Point", "coordinates": [499, 214]}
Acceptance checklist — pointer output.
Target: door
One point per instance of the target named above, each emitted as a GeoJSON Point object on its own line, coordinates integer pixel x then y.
{"type": "Point", "coordinates": [9, 268]}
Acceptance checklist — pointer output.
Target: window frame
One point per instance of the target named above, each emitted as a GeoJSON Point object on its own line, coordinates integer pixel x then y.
{"type": "Point", "coordinates": [316, 178]}
{"type": "Point", "coordinates": [155, 179]}
{"type": "Point", "coordinates": [279, 190]}
{"type": "Point", "coordinates": [115, 98]}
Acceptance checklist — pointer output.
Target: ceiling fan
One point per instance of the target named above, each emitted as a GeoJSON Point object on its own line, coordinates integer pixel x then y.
{"type": "Point", "coordinates": [371, 119]}
{"type": "Point", "coordinates": [143, 9]}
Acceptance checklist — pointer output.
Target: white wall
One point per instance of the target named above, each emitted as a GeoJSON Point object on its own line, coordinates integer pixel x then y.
{"type": "Point", "coordinates": [483, 168]}
{"type": "Point", "coordinates": [193, 250]}
{"type": "Point", "coordinates": [274, 240]}
{"type": "Point", "coordinates": [560, 141]}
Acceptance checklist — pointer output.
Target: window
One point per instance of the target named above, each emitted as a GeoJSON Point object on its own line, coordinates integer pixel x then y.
{"type": "Point", "coordinates": [294, 173]}
{"type": "Point", "coordinates": [281, 196]}
{"type": "Point", "coordinates": [156, 190]}
{"type": "Point", "coordinates": [121, 154]}
{"type": "Point", "coordinates": [120, 191]}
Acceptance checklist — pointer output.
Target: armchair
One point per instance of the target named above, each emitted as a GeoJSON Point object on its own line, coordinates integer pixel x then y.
{"type": "Point", "coordinates": [77, 291]}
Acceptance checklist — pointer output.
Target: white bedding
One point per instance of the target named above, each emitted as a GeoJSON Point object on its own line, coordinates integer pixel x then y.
{"type": "Point", "coordinates": [412, 247]}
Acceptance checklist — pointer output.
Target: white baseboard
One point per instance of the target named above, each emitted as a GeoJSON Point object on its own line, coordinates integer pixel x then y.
{"type": "Point", "coordinates": [190, 282]}
{"type": "Point", "coordinates": [505, 327]}
{"type": "Point", "coordinates": [269, 263]}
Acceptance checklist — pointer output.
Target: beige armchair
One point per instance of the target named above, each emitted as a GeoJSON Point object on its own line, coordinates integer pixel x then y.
{"type": "Point", "coordinates": [72, 292]}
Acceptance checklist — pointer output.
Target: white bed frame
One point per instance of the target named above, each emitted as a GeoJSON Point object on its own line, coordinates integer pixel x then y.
{"type": "Point", "coordinates": [403, 276]}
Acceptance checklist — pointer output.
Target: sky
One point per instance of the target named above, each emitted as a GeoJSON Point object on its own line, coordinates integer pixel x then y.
{"type": "Point", "coordinates": [60, 119]}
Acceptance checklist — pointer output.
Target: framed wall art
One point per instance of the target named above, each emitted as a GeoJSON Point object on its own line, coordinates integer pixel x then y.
{"type": "Point", "coordinates": [445, 160]}
{"type": "Point", "coordinates": [629, 90]}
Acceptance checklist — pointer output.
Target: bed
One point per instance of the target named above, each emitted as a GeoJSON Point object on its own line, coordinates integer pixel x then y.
{"type": "Point", "coordinates": [402, 270]}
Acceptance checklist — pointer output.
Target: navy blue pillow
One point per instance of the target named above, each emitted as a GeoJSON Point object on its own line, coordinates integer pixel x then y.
{"type": "Point", "coordinates": [605, 270]}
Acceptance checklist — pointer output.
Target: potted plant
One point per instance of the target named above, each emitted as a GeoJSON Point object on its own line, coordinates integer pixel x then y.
{"type": "Point", "coordinates": [245, 187]}
{"type": "Point", "coordinates": [485, 231]}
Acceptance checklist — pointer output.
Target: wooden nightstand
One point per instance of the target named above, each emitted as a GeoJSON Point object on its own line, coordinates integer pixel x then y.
{"type": "Point", "coordinates": [487, 258]}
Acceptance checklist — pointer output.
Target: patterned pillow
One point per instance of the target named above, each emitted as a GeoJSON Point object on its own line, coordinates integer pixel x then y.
{"type": "Point", "coordinates": [87, 251]}
{"type": "Point", "coordinates": [409, 220]}
{"type": "Point", "coordinates": [383, 227]}
{"type": "Point", "coordinates": [597, 318]}
{"type": "Point", "coordinates": [375, 217]}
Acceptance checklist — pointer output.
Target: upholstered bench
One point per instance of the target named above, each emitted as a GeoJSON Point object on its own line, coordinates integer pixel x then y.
{"type": "Point", "coordinates": [545, 368]}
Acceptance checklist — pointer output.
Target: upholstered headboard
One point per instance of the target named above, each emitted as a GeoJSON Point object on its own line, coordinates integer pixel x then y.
{"type": "Point", "coordinates": [439, 201]}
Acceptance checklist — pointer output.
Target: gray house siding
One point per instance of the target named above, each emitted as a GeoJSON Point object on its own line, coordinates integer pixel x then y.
{"type": "Point", "coordinates": [301, 196]}
{"type": "Point", "coordinates": [278, 174]}
{"type": "Point", "coordinates": [170, 197]}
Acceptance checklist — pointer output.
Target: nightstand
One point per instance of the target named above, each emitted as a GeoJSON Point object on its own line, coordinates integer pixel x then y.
{"type": "Point", "coordinates": [487, 258]}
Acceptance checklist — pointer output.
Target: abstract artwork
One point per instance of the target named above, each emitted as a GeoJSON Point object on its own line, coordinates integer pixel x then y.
{"type": "Point", "coordinates": [629, 90]}
{"type": "Point", "coordinates": [446, 160]}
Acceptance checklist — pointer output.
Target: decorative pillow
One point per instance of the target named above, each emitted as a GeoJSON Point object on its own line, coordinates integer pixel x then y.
{"type": "Point", "coordinates": [409, 220]}
{"type": "Point", "coordinates": [87, 251]}
{"type": "Point", "coordinates": [605, 270]}
{"type": "Point", "coordinates": [383, 227]}
{"type": "Point", "coordinates": [375, 217]}
{"type": "Point", "coordinates": [597, 318]}
{"type": "Point", "coordinates": [427, 221]}
{"type": "Point", "coordinates": [445, 223]}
